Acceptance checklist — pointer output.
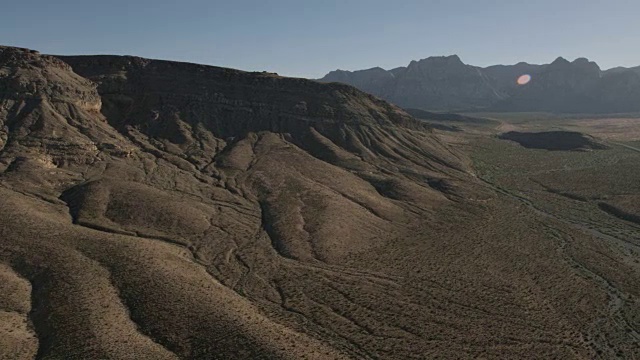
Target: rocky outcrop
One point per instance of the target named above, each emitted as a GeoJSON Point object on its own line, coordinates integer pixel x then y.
{"type": "Point", "coordinates": [28, 75]}
{"type": "Point", "coordinates": [49, 112]}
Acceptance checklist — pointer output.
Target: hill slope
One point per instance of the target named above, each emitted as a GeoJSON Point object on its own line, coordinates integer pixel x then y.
{"type": "Point", "coordinates": [173, 189]}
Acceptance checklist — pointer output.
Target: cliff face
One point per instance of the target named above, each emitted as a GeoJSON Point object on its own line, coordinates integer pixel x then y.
{"type": "Point", "coordinates": [28, 75]}
{"type": "Point", "coordinates": [185, 104]}
{"type": "Point", "coordinates": [49, 112]}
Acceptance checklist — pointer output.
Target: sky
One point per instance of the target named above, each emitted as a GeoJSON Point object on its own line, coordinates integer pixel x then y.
{"type": "Point", "coordinates": [306, 38]}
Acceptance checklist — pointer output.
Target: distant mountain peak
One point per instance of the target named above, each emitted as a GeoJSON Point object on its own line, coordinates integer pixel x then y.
{"type": "Point", "coordinates": [377, 68]}
{"type": "Point", "coordinates": [449, 59]}
{"type": "Point", "coordinates": [580, 63]}
{"type": "Point", "coordinates": [585, 62]}
{"type": "Point", "coordinates": [560, 60]}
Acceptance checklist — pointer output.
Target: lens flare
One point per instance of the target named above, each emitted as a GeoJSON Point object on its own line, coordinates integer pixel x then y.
{"type": "Point", "coordinates": [524, 79]}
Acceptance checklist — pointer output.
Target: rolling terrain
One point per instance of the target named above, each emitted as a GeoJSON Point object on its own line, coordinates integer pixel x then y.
{"type": "Point", "coordinates": [163, 210]}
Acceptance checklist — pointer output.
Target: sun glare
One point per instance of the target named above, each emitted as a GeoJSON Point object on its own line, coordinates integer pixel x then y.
{"type": "Point", "coordinates": [524, 79]}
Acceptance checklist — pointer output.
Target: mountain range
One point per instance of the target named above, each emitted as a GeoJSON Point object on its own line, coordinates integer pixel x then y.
{"type": "Point", "coordinates": [445, 83]}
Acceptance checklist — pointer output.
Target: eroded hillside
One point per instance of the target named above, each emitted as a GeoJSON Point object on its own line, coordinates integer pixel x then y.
{"type": "Point", "coordinates": [155, 209]}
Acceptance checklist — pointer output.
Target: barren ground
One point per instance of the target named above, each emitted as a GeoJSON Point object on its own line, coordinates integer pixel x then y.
{"type": "Point", "coordinates": [162, 210]}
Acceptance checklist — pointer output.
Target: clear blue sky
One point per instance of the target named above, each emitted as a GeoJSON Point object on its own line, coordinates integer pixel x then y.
{"type": "Point", "coordinates": [310, 38]}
